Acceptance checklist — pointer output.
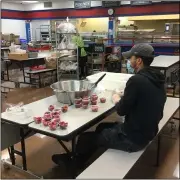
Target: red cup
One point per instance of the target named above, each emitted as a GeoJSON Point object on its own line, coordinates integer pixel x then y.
{"type": "Point", "coordinates": [78, 105]}
{"type": "Point", "coordinates": [94, 108]}
{"type": "Point", "coordinates": [77, 100]}
{"type": "Point", "coordinates": [37, 120]}
{"type": "Point", "coordinates": [63, 125]}
{"type": "Point", "coordinates": [56, 120]}
{"type": "Point", "coordinates": [52, 126]}
{"type": "Point", "coordinates": [102, 100]}
{"type": "Point", "coordinates": [86, 97]}
{"type": "Point", "coordinates": [64, 108]}
{"type": "Point", "coordinates": [47, 116]}
{"type": "Point", "coordinates": [85, 101]}
{"type": "Point", "coordinates": [57, 111]}
{"type": "Point", "coordinates": [94, 102]}
{"type": "Point", "coordinates": [84, 106]}
{"type": "Point", "coordinates": [55, 115]}
{"type": "Point", "coordinates": [51, 108]}
{"type": "Point", "coordinates": [94, 97]}
{"type": "Point", "coordinates": [45, 122]}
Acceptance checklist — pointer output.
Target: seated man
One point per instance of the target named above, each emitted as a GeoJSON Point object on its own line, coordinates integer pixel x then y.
{"type": "Point", "coordinates": [142, 105]}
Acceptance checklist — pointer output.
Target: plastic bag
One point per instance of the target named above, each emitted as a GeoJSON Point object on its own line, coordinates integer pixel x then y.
{"type": "Point", "coordinates": [62, 45]}
{"type": "Point", "coordinates": [51, 62]}
{"type": "Point", "coordinates": [66, 27]}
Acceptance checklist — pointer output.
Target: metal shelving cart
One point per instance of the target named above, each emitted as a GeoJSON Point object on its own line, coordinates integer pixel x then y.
{"type": "Point", "coordinates": [68, 62]}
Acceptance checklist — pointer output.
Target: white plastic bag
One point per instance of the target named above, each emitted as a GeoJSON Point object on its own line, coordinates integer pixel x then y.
{"type": "Point", "coordinates": [66, 27]}
{"type": "Point", "coordinates": [62, 45]}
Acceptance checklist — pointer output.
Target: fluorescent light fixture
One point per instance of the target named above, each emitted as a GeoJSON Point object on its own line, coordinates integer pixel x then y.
{"type": "Point", "coordinates": [29, 1]}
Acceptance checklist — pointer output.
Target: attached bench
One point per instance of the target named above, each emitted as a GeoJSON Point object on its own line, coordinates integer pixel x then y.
{"type": "Point", "coordinates": [39, 72]}
{"type": "Point", "coordinates": [115, 164]}
{"type": "Point", "coordinates": [176, 172]}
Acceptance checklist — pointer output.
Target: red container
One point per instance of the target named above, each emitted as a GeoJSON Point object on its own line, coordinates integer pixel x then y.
{"type": "Point", "coordinates": [64, 108]}
{"type": "Point", "coordinates": [47, 116]}
{"type": "Point", "coordinates": [85, 101]}
{"type": "Point", "coordinates": [94, 102]}
{"type": "Point", "coordinates": [52, 126]}
{"type": "Point", "coordinates": [78, 105]}
{"type": "Point", "coordinates": [56, 120]}
{"type": "Point", "coordinates": [37, 120]}
{"type": "Point", "coordinates": [51, 108]}
{"type": "Point", "coordinates": [45, 122]}
{"type": "Point", "coordinates": [102, 100]}
{"type": "Point", "coordinates": [63, 125]}
{"type": "Point", "coordinates": [94, 97]}
{"type": "Point", "coordinates": [86, 98]}
{"type": "Point", "coordinates": [57, 111]}
{"type": "Point", "coordinates": [77, 100]}
{"type": "Point", "coordinates": [84, 106]}
{"type": "Point", "coordinates": [94, 108]}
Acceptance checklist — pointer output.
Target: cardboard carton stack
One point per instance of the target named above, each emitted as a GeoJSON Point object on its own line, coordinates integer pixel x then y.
{"type": "Point", "coordinates": [8, 38]}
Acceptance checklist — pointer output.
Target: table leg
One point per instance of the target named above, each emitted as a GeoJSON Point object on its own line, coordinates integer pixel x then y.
{"type": "Point", "coordinates": [7, 70]}
{"type": "Point", "coordinates": [39, 75]}
{"type": "Point", "coordinates": [63, 145]}
{"type": "Point", "coordinates": [23, 72]}
{"type": "Point", "coordinates": [30, 79]}
{"type": "Point", "coordinates": [11, 154]}
{"type": "Point", "coordinates": [73, 156]}
{"type": "Point", "coordinates": [23, 148]}
{"type": "Point", "coordinates": [73, 147]}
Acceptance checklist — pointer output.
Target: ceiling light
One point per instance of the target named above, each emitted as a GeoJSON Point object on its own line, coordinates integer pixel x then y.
{"type": "Point", "coordinates": [29, 1]}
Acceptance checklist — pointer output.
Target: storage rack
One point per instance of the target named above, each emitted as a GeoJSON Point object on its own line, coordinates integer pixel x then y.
{"type": "Point", "coordinates": [71, 72]}
{"type": "Point", "coordinates": [95, 50]}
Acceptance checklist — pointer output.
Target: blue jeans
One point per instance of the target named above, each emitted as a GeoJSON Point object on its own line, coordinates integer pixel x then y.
{"type": "Point", "coordinates": [107, 135]}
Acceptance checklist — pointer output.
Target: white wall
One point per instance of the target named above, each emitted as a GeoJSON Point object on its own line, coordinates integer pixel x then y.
{"type": "Point", "coordinates": [13, 26]}
{"type": "Point", "coordinates": [35, 28]}
{"type": "Point", "coordinates": [12, 6]}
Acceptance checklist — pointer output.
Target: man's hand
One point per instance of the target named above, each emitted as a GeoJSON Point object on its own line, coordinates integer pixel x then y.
{"type": "Point", "coordinates": [116, 98]}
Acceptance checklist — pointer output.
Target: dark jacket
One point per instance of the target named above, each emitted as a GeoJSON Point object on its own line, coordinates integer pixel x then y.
{"type": "Point", "coordinates": [142, 105]}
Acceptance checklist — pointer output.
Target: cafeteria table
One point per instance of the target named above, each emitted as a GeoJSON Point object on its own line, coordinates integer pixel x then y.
{"type": "Point", "coordinates": [24, 63]}
{"type": "Point", "coordinates": [79, 120]}
{"type": "Point", "coordinates": [164, 63]}
{"type": "Point", "coordinates": [21, 123]}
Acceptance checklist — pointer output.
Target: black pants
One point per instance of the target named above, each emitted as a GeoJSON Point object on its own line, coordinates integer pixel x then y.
{"type": "Point", "coordinates": [83, 66]}
{"type": "Point", "coordinates": [107, 135]}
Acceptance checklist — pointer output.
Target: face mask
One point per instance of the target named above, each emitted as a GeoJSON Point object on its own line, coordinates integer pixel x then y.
{"type": "Point", "coordinates": [129, 68]}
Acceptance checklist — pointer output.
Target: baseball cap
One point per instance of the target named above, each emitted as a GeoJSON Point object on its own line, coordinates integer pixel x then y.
{"type": "Point", "coordinates": [143, 49]}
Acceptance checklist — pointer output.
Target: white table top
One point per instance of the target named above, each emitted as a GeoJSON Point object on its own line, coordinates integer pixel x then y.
{"type": "Point", "coordinates": [164, 61]}
{"type": "Point", "coordinates": [29, 59]}
{"type": "Point", "coordinates": [39, 57]}
{"type": "Point", "coordinates": [36, 108]}
{"type": "Point", "coordinates": [76, 118]}
{"type": "Point", "coordinates": [115, 164]}
{"type": "Point", "coordinates": [38, 71]}
{"type": "Point", "coordinates": [110, 76]}
{"type": "Point", "coordinates": [112, 80]}
{"type": "Point", "coordinates": [4, 48]}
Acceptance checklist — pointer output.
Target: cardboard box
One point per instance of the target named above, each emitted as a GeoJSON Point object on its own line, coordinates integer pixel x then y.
{"type": "Point", "coordinates": [8, 37]}
{"type": "Point", "coordinates": [17, 40]}
{"type": "Point", "coordinates": [1, 36]}
{"type": "Point", "coordinates": [18, 56]}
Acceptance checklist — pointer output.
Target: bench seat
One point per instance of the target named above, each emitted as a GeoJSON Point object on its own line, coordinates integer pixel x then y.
{"type": "Point", "coordinates": [115, 164]}
{"type": "Point", "coordinates": [40, 71]}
